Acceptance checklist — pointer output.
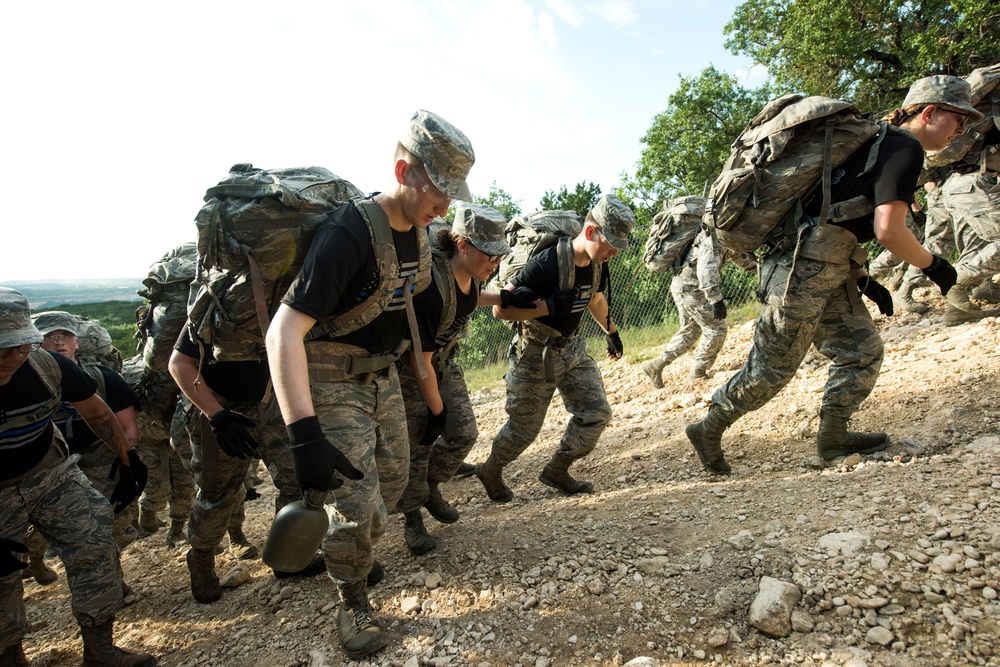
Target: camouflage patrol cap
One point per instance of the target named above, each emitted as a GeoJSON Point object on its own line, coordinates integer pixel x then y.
{"type": "Point", "coordinates": [15, 320]}
{"type": "Point", "coordinates": [445, 152]}
{"type": "Point", "coordinates": [482, 225]}
{"type": "Point", "coordinates": [615, 219]}
{"type": "Point", "coordinates": [56, 320]}
{"type": "Point", "coordinates": [941, 89]}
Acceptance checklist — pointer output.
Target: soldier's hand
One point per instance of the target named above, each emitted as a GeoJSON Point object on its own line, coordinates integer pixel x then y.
{"type": "Point", "coordinates": [719, 310]}
{"type": "Point", "coordinates": [232, 434]}
{"type": "Point", "coordinates": [615, 347]}
{"type": "Point", "coordinates": [435, 427]}
{"type": "Point", "coordinates": [139, 470]}
{"type": "Point", "coordinates": [879, 295]}
{"type": "Point", "coordinates": [9, 563]}
{"type": "Point", "coordinates": [561, 303]}
{"type": "Point", "coordinates": [519, 297]}
{"type": "Point", "coordinates": [942, 273]}
{"type": "Point", "coordinates": [127, 488]}
{"type": "Point", "coordinates": [315, 459]}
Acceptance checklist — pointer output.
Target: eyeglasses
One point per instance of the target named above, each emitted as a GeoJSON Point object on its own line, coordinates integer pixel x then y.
{"type": "Point", "coordinates": [961, 114]}
{"type": "Point", "coordinates": [23, 350]}
{"type": "Point", "coordinates": [429, 188]}
{"type": "Point", "coordinates": [59, 338]}
{"type": "Point", "coordinates": [493, 259]}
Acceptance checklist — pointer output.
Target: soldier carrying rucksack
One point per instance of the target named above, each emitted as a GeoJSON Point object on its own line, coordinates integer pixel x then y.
{"type": "Point", "coordinates": [809, 280]}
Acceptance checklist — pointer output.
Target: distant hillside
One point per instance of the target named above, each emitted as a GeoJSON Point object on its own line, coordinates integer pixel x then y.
{"type": "Point", "coordinates": [47, 294]}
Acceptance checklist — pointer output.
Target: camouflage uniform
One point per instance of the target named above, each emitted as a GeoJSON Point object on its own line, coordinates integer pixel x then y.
{"type": "Point", "coordinates": [544, 359]}
{"type": "Point", "coordinates": [695, 291]}
{"type": "Point", "coordinates": [973, 199]}
{"type": "Point", "coordinates": [53, 495]}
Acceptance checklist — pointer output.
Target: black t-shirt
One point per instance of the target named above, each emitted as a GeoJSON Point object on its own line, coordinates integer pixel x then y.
{"type": "Point", "coordinates": [237, 381]}
{"type": "Point", "coordinates": [340, 271]}
{"type": "Point", "coordinates": [21, 449]}
{"type": "Point", "coordinates": [541, 275]}
{"type": "Point", "coordinates": [117, 394]}
{"type": "Point", "coordinates": [429, 307]}
{"type": "Point", "coordinates": [893, 178]}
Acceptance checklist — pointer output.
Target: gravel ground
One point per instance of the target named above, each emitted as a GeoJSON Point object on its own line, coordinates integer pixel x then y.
{"type": "Point", "coordinates": [892, 559]}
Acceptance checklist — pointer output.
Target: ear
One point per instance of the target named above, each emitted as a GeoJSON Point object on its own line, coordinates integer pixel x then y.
{"type": "Point", "coordinates": [588, 231]}
{"type": "Point", "coordinates": [402, 170]}
{"type": "Point", "coordinates": [927, 112]}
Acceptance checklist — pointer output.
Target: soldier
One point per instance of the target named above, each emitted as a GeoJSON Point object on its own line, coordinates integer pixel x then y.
{"type": "Point", "coordinates": [40, 484]}
{"type": "Point", "coordinates": [550, 354]}
{"type": "Point", "coordinates": [439, 416]}
{"type": "Point", "coordinates": [231, 421]}
{"type": "Point", "coordinates": [938, 236]}
{"type": "Point", "coordinates": [342, 386]}
{"type": "Point", "coordinates": [701, 310]}
{"type": "Point", "coordinates": [60, 335]}
{"type": "Point", "coordinates": [815, 301]}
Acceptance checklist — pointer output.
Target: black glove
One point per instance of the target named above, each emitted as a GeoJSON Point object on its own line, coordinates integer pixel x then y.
{"type": "Point", "coordinates": [942, 273]}
{"type": "Point", "coordinates": [435, 427]}
{"type": "Point", "coordinates": [519, 297]}
{"type": "Point", "coordinates": [9, 563]}
{"type": "Point", "coordinates": [561, 303]}
{"type": "Point", "coordinates": [615, 347]}
{"type": "Point", "coordinates": [127, 489]}
{"type": "Point", "coordinates": [139, 470]}
{"type": "Point", "coordinates": [719, 310]}
{"type": "Point", "coordinates": [315, 459]}
{"type": "Point", "coordinates": [230, 429]}
{"type": "Point", "coordinates": [879, 295]}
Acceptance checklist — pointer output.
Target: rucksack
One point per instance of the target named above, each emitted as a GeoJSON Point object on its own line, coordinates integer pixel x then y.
{"type": "Point", "coordinates": [785, 153]}
{"type": "Point", "coordinates": [969, 148]}
{"type": "Point", "coordinates": [528, 235]}
{"type": "Point", "coordinates": [672, 234]}
{"type": "Point", "coordinates": [253, 234]}
{"type": "Point", "coordinates": [160, 320]}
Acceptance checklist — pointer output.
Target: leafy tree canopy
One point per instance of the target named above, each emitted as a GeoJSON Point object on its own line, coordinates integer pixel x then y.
{"type": "Point", "coordinates": [687, 144]}
{"type": "Point", "coordinates": [583, 198]}
{"type": "Point", "coordinates": [865, 51]}
{"type": "Point", "coordinates": [499, 199]}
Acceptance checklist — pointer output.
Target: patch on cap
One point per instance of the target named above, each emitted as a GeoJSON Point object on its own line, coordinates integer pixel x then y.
{"type": "Point", "coordinates": [444, 150]}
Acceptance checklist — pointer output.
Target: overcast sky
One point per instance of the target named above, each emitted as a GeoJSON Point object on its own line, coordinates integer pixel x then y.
{"type": "Point", "coordinates": [120, 115]}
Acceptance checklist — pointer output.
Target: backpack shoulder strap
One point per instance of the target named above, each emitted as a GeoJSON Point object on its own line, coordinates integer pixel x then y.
{"type": "Point", "coordinates": [564, 259]}
{"type": "Point", "coordinates": [48, 371]}
{"type": "Point", "coordinates": [444, 278]}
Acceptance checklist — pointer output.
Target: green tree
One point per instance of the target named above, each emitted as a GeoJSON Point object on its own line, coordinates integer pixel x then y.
{"type": "Point", "coordinates": [581, 200]}
{"type": "Point", "coordinates": [501, 200]}
{"type": "Point", "coordinates": [868, 52]}
{"type": "Point", "coordinates": [689, 142]}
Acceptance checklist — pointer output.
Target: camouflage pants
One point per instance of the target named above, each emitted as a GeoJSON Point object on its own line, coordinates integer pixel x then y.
{"type": "Point", "coordinates": [96, 465]}
{"type": "Point", "coordinates": [220, 477]}
{"type": "Point", "coordinates": [367, 422]}
{"type": "Point", "coordinates": [697, 320]}
{"type": "Point", "coordinates": [528, 396]}
{"type": "Point", "coordinates": [170, 479]}
{"type": "Point", "coordinates": [974, 203]}
{"type": "Point", "coordinates": [439, 461]}
{"type": "Point", "coordinates": [75, 519]}
{"type": "Point", "coordinates": [822, 307]}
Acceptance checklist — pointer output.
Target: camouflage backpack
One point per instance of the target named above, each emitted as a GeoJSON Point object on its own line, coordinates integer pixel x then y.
{"type": "Point", "coordinates": [672, 233]}
{"type": "Point", "coordinates": [160, 320]}
{"type": "Point", "coordinates": [253, 234]}
{"type": "Point", "coordinates": [529, 235]}
{"type": "Point", "coordinates": [785, 153]}
{"type": "Point", "coordinates": [970, 147]}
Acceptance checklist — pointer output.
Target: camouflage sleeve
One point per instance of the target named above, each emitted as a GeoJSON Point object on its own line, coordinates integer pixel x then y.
{"type": "Point", "coordinates": [708, 268]}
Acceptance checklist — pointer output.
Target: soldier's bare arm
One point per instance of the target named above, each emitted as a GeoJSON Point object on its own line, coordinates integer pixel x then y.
{"type": "Point", "coordinates": [286, 353]}
{"type": "Point", "coordinates": [105, 425]}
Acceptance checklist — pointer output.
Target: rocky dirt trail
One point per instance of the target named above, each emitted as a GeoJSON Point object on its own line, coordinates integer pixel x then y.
{"type": "Point", "coordinates": [892, 559]}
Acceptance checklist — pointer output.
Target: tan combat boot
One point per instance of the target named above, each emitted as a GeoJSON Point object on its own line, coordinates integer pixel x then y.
{"type": "Point", "coordinates": [438, 506]}
{"type": "Point", "coordinates": [176, 535]}
{"type": "Point", "coordinates": [358, 633]}
{"type": "Point", "coordinates": [417, 538]}
{"type": "Point", "coordinates": [834, 440]}
{"type": "Point", "coordinates": [903, 300]}
{"type": "Point", "coordinates": [100, 651]}
{"type": "Point", "coordinates": [491, 475]}
{"type": "Point", "coordinates": [239, 546]}
{"type": "Point", "coordinates": [149, 523]}
{"type": "Point", "coordinates": [556, 474]}
{"type": "Point", "coordinates": [706, 438]}
{"type": "Point", "coordinates": [205, 585]}
{"type": "Point", "coordinates": [654, 370]}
